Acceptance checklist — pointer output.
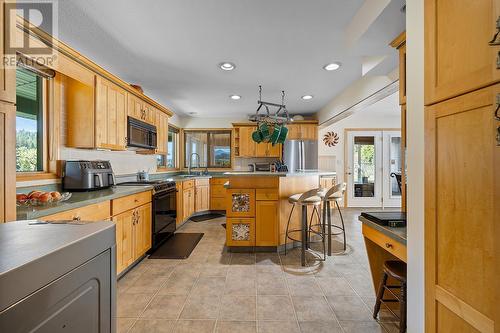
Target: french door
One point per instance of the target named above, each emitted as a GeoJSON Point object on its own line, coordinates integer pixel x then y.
{"type": "Point", "coordinates": [372, 168]}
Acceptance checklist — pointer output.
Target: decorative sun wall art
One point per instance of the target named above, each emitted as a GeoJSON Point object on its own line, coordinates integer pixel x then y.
{"type": "Point", "coordinates": [331, 139]}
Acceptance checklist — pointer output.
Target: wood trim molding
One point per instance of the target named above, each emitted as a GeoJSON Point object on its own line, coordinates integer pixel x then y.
{"type": "Point", "coordinates": [399, 40]}
{"type": "Point", "coordinates": [77, 57]}
{"type": "Point", "coordinates": [29, 176]}
{"type": "Point", "coordinates": [475, 318]}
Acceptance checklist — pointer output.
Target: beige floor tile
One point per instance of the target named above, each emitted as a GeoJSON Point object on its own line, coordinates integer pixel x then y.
{"type": "Point", "coordinates": [132, 305]}
{"type": "Point", "coordinates": [181, 285]}
{"type": "Point", "coordinates": [278, 327]}
{"type": "Point", "coordinates": [243, 259]}
{"type": "Point", "coordinates": [240, 285]}
{"type": "Point", "coordinates": [320, 327]}
{"type": "Point", "coordinates": [335, 286]}
{"type": "Point", "coordinates": [236, 327]}
{"type": "Point", "coordinates": [312, 308]}
{"type": "Point", "coordinates": [303, 286]}
{"type": "Point", "coordinates": [124, 324]}
{"type": "Point", "coordinates": [153, 326]}
{"type": "Point", "coordinates": [242, 271]}
{"type": "Point", "coordinates": [269, 269]}
{"type": "Point", "coordinates": [275, 308]}
{"type": "Point", "coordinates": [147, 283]}
{"type": "Point", "coordinates": [194, 326]}
{"type": "Point", "coordinates": [349, 308]}
{"type": "Point", "coordinates": [271, 284]}
{"type": "Point", "coordinates": [267, 259]}
{"type": "Point", "coordinates": [238, 308]}
{"type": "Point", "coordinates": [209, 286]}
{"type": "Point", "coordinates": [201, 307]}
{"type": "Point", "coordinates": [361, 326]}
{"type": "Point", "coordinates": [214, 270]}
{"type": "Point", "coordinates": [165, 307]}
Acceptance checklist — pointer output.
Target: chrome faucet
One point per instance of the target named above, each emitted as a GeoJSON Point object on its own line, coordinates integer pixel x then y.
{"type": "Point", "coordinates": [191, 160]}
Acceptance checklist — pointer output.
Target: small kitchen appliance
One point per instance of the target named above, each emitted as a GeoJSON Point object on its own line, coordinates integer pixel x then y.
{"type": "Point", "coordinates": [87, 175]}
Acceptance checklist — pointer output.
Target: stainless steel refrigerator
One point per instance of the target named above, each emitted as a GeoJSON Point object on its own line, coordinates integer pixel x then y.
{"type": "Point", "coordinates": [301, 155]}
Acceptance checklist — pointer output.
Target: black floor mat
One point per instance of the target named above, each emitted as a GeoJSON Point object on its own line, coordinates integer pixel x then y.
{"type": "Point", "coordinates": [205, 217]}
{"type": "Point", "coordinates": [179, 246]}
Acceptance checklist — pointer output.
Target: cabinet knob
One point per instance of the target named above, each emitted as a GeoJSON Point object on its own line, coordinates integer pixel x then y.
{"type": "Point", "coordinates": [388, 245]}
{"type": "Point", "coordinates": [495, 40]}
{"type": "Point", "coordinates": [77, 218]}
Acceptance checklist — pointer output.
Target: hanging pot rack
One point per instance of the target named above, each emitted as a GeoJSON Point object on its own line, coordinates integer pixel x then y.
{"type": "Point", "coordinates": [281, 115]}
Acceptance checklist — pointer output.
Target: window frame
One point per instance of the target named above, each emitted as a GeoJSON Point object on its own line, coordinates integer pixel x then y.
{"type": "Point", "coordinates": [207, 131]}
{"type": "Point", "coordinates": [177, 167]}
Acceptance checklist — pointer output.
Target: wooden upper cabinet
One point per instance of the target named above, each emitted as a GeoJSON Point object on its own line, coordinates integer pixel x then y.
{"type": "Point", "coordinates": [7, 76]}
{"type": "Point", "coordinates": [293, 132]}
{"type": "Point", "coordinates": [110, 115]}
{"type": "Point", "coordinates": [304, 131]}
{"type": "Point", "coordinates": [141, 110]}
{"type": "Point", "coordinates": [458, 58]}
{"type": "Point", "coordinates": [267, 150]}
{"type": "Point", "coordinates": [247, 145]}
{"type": "Point", "coordinates": [161, 123]}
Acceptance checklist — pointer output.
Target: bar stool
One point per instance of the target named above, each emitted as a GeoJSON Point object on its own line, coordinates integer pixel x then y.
{"type": "Point", "coordinates": [309, 198]}
{"type": "Point", "coordinates": [397, 270]}
{"type": "Point", "coordinates": [333, 194]}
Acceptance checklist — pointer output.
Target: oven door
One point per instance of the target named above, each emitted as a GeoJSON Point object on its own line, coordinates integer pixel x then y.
{"type": "Point", "coordinates": [164, 215]}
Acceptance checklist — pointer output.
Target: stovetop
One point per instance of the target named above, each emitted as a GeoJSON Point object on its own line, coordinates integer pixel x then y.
{"type": "Point", "coordinates": [158, 185]}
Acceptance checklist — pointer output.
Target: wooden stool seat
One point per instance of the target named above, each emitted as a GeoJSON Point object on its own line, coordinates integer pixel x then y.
{"type": "Point", "coordinates": [396, 269]}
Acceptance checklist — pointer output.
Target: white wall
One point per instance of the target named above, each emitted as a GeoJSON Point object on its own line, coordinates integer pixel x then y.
{"type": "Point", "coordinates": [195, 122]}
{"type": "Point", "coordinates": [415, 162]}
{"type": "Point", "coordinates": [385, 113]}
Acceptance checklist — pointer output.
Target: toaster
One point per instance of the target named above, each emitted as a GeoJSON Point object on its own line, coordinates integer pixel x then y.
{"type": "Point", "coordinates": [87, 175]}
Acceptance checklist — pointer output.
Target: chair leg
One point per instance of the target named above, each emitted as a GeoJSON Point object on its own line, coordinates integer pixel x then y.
{"type": "Point", "coordinates": [343, 226]}
{"type": "Point", "coordinates": [323, 236]}
{"type": "Point", "coordinates": [402, 309]}
{"type": "Point", "coordinates": [380, 295]}
{"type": "Point", "coordinates": [288, 225]}
{"type": "Point", "coordinates": [304, 235]}
{"type": "Point", "coordinates": [329, 213]}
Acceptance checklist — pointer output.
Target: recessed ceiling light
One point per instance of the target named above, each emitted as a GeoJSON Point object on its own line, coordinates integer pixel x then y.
{"type": "Point", "coordinates": [227, 66]}
{"type": "Point", "coordinates": [235, 97]}
{"type": "Point", "coordinates": [331, 67]}
{"type": "Point", "coordinates": [307, 97]}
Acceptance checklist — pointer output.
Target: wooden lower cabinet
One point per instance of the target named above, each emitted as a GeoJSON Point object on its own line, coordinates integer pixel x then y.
{"type": "Point", "coordinates": [96, 212]}
{"type": "Point", "coordinates": [202, 198]}
{"type": "Point", "coordinates": [187, 203]}
{"type": "Point", "coordinates": [327, 182]}
{"type": "Point", "coordinates": [218, 193]}
{"type": "Point", "coordinates": [267, 223]}
{"type": "Point", "coordinates": [133, 235]}
{"type": "Point", "coordinates": [240, 232]}
{"type": "Point", "coordinates": [240, 203]}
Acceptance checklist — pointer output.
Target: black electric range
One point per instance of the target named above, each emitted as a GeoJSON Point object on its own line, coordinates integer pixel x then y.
{"type": "Point", "coordinates": [164, 212]}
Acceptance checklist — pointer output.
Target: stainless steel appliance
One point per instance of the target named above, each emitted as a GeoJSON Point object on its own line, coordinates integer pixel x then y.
{"type": "Point", "coordinates": [301, 155]}
{"type": "Point", "coordinates": [140, 134]}
{"type": "Point", "coordinates": [262, 167]}
{"type": "Point", "coordinates": [164, 209]}
{"type": "Point", "coordinates": [87, 175]}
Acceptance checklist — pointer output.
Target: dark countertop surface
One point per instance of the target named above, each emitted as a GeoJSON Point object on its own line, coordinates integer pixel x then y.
{"type": "Point", "coordinates": [398, 234]}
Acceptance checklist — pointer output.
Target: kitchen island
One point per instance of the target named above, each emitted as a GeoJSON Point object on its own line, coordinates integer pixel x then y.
{"type": "Point", "coordinates": [257, 208]}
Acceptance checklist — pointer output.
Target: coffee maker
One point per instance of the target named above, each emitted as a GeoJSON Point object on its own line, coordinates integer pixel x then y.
{"type": "Point", "coordinates": [87, 175]}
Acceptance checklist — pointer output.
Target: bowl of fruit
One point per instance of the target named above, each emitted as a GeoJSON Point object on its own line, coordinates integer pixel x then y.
{"type": "Point", "coordinates": [41, 198]}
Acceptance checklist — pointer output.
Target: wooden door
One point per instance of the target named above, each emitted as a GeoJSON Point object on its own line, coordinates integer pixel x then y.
{"type": "Point", "coordinates": [161, 124]}
{"type": "Point", "coordinates": [7, 162]}
{"type": "Point", "coordinates": [202, 201]}
{"type": "Point", "coordinates": [247, 145]}
{"type": "Point", "coordinates": [110, 115]}
{"type": "Point", "coordinates": [240, 202]}
{"type": "Point", "coordinates": [149, 113]}
{"type": "Point", "coordinates": [261, 149]}
{"type": "Point", "coordinates": [135, 107]}
{"type": "Point", "coordinates": [458, 58]}
{"type": "Point", "coordinates": [187, 203]}
{"type": "Point", "coordinates": [293, 132]}
{"type": "Point", "coordinates": [240, 232]}
{"type": "Point", "coordinates": [124, 240]}
{"type": "Point", "coordinates": [143, 230]}
{"type": "Point", "coordinates": [7, 75]}
{"type": "Point", "coordinates": [462, 195]}
{"type": "Point", "coordinates": [266, 223]}
{"type": "Point", "coordinates": [309, 131]}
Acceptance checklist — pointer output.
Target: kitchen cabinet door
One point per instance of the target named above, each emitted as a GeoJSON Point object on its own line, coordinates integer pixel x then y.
{"type": "Point", "coordinates": [261, 149]}
{"type": "Point", "coordinates": [240, 203]}
{"type": "Point", "coordinates": [309, 132]}
{"type": "Point", "coordinates": [143, 230]}
{"type": "Point", "coordinates": [247, 145]}
{"type": "Point", "coordinates": [110, 115]}
{"type": "Point", "coordinates": [180, 195]}
{"type": "Point", "coordinates": [7, 76]}
{"type": "Point", "coordinates": [274, 151]}
{"type": "Point", "coordinates": [149, 113]}
{"type": "Point", "coordinates": [161, 124]}
{"type": "Point", "coordinates": [266, 223]}
{"type": "Point", "coordinates": [135, 108]}
{"type": "Point", "coordinates": [462, 193]}
{"type": "Point", "coordinates": [202, 201]}
{"type": "Point", "coordinates": [124, 240]}
{"type": "Point", "coordinates": [240, 232]}
{"type": "Point", "coordinates": [458, 58]}
{"type": "Point", "coordinates": [7, 162]}
{"type": "Point", "coordinates": [187, 203]}
{"type": "Point", "coordinates": [293, 132]}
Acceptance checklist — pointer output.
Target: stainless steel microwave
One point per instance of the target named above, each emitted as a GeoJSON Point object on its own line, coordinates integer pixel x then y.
{"type": "Point", "coordinates": [140, 134]}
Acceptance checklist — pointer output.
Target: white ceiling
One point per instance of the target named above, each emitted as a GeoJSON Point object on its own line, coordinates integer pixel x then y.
{"type": "Point", "coordinates": [172, 48]}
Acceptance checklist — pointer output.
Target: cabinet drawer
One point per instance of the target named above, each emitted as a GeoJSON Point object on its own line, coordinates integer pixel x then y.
{"type": "Point", "coordinates": [188, 184]}
{"type": "Point", "coordinates": [240, 203]}
{"type": "Point", "coordinates": [218, 203]}
{"type": "Point", "coordinates": [390, 245]}
{"type": "Point", "coordinates": [218, 191]}
{"type": "Point", "coordinates": [240, 232]}
{"type": "Point", "coordinates": [202, 181]}
{"type": "Point", "coordinates": [96, 212]}
{"type": "Point", "coordinates": [218, 181]}
{"type": "Point", "coordinates": [129, 202]}
{"type": "Point", "coordinates": [266, 194]}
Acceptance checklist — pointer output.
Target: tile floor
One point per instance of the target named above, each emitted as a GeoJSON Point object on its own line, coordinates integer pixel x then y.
{"type": "Point", "coordinates": [217, 291]}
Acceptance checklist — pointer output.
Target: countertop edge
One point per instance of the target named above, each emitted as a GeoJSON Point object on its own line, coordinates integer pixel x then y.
{"type": "Point", "coordinates": [384, 229]}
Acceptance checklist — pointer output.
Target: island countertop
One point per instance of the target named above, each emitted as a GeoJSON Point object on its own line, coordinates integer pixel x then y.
{"type": "Point", "coordinates": [397, 234]}
{"type": "Point", "coordinates": [278, 174]}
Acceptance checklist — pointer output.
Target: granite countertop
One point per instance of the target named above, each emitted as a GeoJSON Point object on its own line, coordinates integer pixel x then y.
{"type": "Point", "coordinates": [77, 200]}
{"type": "Point", "coordinates": [277, 174]}
{"type": "Point", "coordinates": [398, 234]}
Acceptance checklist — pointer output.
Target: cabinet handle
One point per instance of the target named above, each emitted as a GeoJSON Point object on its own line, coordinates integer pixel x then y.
{"type": "Point", "coordinates": [496, 115]}
{"type": "Point", "coordinates": [495, 41]}
{"type": "Point", "coordinates": [77, 218]}
{"type": "Point", "coordinates": [388, 245]}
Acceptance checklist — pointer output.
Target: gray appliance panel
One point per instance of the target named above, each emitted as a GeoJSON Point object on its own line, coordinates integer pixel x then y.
{"type": "Point", "coordinates": [77, 302]}
{"type": "Point", "coordinates": [310, 154]}
{"type": "Point", "coordinates": [301, 155]}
